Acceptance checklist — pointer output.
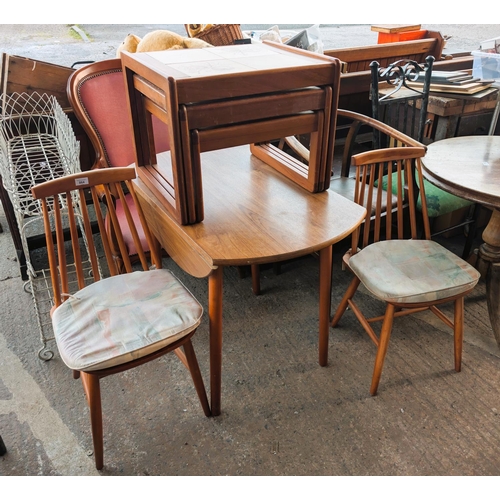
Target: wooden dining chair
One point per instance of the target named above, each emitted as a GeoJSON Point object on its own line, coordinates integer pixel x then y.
{"type": "Point", "coordinates": [105, 322]}
{"type": "Point", "coordinates": [406, 273]}
{"type": "Point", "coordinates": [399, 96]}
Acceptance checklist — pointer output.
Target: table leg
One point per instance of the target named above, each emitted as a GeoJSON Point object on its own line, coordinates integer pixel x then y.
{"type": "Point", "coordinates": [325, 299]}
{"type": "Point", "coordinates": [215, 328]}
{"type": "Point", "coordinates": [10, 215]}
{"type": "Point", "coordinates": [489, 264]}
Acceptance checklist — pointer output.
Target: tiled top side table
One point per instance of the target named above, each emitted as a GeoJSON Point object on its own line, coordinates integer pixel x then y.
{"type": "Point", "coordinates": [221, 97]}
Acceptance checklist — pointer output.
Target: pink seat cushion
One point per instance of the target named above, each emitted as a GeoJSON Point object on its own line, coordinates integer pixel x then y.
{"type": "Point", "coordinates": [412, 271]}
{"type": "Point", "coordinates": [126, 317]}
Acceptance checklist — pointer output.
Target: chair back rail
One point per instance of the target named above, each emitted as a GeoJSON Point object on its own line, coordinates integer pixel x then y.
{"type": "Point", "coordinates": [66, 207]}
{"type": "Point", "coordinates": [371, 168]}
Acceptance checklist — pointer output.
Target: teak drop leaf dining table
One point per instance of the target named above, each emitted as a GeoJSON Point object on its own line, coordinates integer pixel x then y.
{"type": "Point", "coordinates": [253, 215]}
{"type": "Point", "coordinates": [225, 194]}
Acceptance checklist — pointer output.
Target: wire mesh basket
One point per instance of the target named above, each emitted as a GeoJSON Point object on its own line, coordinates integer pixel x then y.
{"type": "Point", "coordinates": [219, 34]}
{"type": "Point", "coordinates": [37, 143]}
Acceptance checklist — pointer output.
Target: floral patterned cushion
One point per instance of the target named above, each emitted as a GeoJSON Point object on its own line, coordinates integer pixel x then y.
{"type": "Point", "coordinates": [412, 271]}
{"type": "Point", "coordinates": [440, 202]}
{"type": "Point", "coordinates": [122, 318]}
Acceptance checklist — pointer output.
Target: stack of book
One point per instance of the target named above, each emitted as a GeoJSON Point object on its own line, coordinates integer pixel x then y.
{"type": "Point", "coordinates": [454, 82]}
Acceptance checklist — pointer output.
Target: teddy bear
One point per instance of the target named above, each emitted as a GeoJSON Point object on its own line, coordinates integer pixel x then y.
{"type": "Point", "coordinates": [159, 40]}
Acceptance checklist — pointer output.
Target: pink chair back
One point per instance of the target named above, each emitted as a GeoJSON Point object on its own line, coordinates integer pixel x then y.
{"type": "Point", "coordinates": [104, 99]}
{"type": "Point", "coordinates": [98, 95]}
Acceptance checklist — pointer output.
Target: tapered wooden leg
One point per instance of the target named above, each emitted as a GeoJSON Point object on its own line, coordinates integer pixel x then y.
{"type": "Point", "coordinates": [349, 294]}
{"type": "Point", "coordinates": [459, 332]}
{"type": "Point", "coordinates": [194, 369]}
{"type": "Point", "coordinates": [385, 335]}
{"type": "Point", "coordinates": [255, 278]}
{"type": "Point", "coordinates": [242, 272]}
{"type": "Point", "coordinates": [215, 327]}
{"type": "Point", "coordinates": [325, 300]}
{"type": "Point", "coordinates": [93, 392]}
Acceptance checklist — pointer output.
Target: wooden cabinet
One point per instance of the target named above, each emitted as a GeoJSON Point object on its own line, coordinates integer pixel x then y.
{"type": "Point", "coordinates": [455, 116]}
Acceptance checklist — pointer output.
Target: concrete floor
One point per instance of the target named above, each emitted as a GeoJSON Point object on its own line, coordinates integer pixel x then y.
{"type": "Point", "coordinates": [282, 414]}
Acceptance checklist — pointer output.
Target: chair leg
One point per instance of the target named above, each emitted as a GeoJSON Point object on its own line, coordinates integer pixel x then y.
{"type": "Point", "coordinates": [242, 272]}
{"type": "Point", "coordinates": [93, 392]}
{"type": "Point", "coordinates": [349, 294]}
{"type": "Point", "coordinates": [194, 369]}
{"type": "Point", "coordinates": [459, 332]}
{"type": "Point", "coordinates": [469, 240]}
{"type": "Point", "coordinates": [277, 268]}
{"type": "Point", "coordinates": [385, 335]}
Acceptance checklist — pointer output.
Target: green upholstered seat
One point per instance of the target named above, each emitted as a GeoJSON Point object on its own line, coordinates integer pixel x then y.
{"type": "Point", "coordinates": [439, 202]}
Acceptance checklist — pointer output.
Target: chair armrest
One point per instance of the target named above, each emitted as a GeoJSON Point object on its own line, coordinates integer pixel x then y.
{"type": "Point", "coordinates": [396, 138]}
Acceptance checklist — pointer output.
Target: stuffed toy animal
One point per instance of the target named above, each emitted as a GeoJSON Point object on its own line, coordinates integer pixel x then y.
{"type": "Point", "coordinates": [129, 44]}
{"type": "Point", "coordinates": [159, 40]}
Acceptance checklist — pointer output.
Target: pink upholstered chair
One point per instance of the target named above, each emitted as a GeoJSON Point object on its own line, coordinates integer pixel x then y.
{"type": "Point", "coordinates": [98, 96]}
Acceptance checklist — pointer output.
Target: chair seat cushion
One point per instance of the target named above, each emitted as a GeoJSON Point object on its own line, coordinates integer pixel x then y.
{"type": "Point", "coordinates": [122, 318]}
{"type": "Point", "coordinates": [439, 202]}
{"type": "Point", "coordinates": [412, 271]}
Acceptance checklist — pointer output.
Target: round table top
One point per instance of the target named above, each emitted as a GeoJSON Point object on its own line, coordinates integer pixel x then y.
{"type": "Point", "coordinates": [468, 167]}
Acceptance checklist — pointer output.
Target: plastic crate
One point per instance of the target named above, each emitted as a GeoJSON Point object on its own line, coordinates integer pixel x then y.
{"type": "Point", "coordinates": [487, 60]}
{"type": "Point", "coordinates": [486, 65]}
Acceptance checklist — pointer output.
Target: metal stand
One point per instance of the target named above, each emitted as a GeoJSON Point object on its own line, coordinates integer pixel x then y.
{"type": "Point", "coordinates": [496, 112]}
{"type": "Point", "coordinates": [37, 144]}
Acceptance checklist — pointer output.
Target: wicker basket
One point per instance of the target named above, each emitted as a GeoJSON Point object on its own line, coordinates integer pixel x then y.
{"type": "Point", "coordinates": [221, 34]}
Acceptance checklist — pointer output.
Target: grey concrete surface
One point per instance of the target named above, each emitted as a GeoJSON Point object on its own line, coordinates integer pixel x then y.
{"type": "Point", "coordinates": [63, 44]}
{"type": "Point", "coordinates": [282, 414]}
